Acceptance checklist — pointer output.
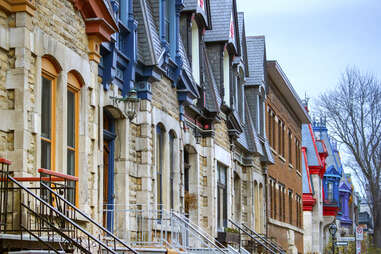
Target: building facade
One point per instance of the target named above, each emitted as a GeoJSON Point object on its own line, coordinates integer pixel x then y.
{"type": "Point", "coordinates": [285, 116]}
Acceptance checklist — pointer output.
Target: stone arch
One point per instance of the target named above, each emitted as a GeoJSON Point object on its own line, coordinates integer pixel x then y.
{"type": "Point", "coordinates": [50, 64]}
{"type": "Point", "coordinates": [74, 74]}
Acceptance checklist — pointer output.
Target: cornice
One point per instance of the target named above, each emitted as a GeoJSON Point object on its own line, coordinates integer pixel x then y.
{"type": "Point", "coordinates": [12, 6]}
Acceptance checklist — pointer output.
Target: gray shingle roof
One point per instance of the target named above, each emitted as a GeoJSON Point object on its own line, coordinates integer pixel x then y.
{"type": "Point", "coordinates": [213, 98]}
{"type": "Point", "coordinates": [305, 177]}
{"type": "Point", "coordinates": [221, 11]}
{"type": "Point", "coordinates": [308, 142]}
{"type": "Point", "coordinates": [149, 48]}
{"type": "Point", "coordinates": [241, 27]}
{"type": "Point", "coordinates": [256, 56]}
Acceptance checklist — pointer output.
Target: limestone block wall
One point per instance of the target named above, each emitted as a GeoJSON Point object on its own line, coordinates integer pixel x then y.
{"type": "Point", "coordinates": [57, 31]}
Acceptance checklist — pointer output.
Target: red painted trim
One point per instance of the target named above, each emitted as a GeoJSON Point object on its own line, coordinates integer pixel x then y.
{"type": "Point", "coordinates": [95, 13]}
{"type": "Point", "coordinates": [35, 179]}
{"type": "Point", "coordinates": [330, 210]}
{"type": "Point", "coordinates": [308, 202]}
{"type": "Point", "coordinates": [4, 161]}
{"type": "Point", "coordinates": [57, 174]}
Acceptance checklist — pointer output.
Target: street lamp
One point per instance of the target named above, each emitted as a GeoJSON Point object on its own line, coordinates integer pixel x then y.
{"type": "Point", "coordinates": [131, 103]}
{"type": "Point", "coordinates": [332, 230]}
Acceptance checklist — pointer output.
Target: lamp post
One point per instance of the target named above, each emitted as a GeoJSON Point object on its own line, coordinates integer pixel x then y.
{"type": "Point", "coordinates": [131, 103]}
{"type": "Point", "coordinates": [332, 230]}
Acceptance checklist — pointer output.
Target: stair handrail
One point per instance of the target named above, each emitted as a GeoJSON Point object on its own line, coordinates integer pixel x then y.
{"type": "Point", "coordinates": [264, 239]}
{"type": "Point", "coordinates": [62, 215]}
{"type": "Point", "coordinates": [89, 218]}
{"type": "Point", "coordinates": [256, 240]}
{"type": "Point", "coordinates": [198, 232]}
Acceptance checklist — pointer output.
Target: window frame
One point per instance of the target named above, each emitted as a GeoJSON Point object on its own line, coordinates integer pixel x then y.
{"type": "Point", "coordinates": [49, 72]}
{"type": "Point", "coordinates": [74, 86]}
{"type": "Point", "coordinates": [221, 190]}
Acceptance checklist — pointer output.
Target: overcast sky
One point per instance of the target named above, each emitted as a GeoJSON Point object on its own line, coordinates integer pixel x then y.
{"type": "Point", "coordinates": [315, 40]}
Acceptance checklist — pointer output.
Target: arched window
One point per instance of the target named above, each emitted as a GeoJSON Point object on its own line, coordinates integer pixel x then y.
{"type": "Point", "coordinates": [49, 73]}
{"type": "Point", "coordinates": [159, 164]}
{"type": "Point", "coordinates": [172, 138]}
{"type": "Point", "coordinates": [72, 106]}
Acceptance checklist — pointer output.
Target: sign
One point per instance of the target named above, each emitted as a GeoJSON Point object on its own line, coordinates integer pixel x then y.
{"type": "Point", "coordinates": [347, 239]}
{"type": "Point", "coordinates": [341, 243]}
{"type": "Point", "coordinates": [359, 233]}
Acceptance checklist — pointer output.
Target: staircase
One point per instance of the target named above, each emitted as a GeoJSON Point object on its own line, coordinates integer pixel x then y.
{"type": "Point", "coordinates": [36, 217]}
{"type": "Point", "coordinates": [260, 241]}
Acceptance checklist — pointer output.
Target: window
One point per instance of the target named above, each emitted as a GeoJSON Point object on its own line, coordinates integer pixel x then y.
{"type": "Point", "coordinates": [298, 212]}
{"type": "Point", "coordinates": [159, 164]}
{"type": "Point", "coordinates": [289, 147]}
{"type": "Point", "coordinates": [48, 105]}
{"type": "Point", "coordinates": [330, 191]}
{"type": "Point", "coordinates": [241, 96]}
{"type": "Point", "coordinates": [226, 78]}
{"type": "Point", "coordinates": [280, 137]}
{"type": "Point", "coordinates": [269, 126]}
{"type": "Point", "coordinates": [171, 168]}
{"type": "Point", "coordinates": [290, 206]}
{"type": "Point", "coordinates": [195, 52]}
{"type": "Point", "coordinates": [297, 154]}
{"type": "Point", "coordinates": [273, 130]}
{"type": "Point", "coordinates": [72, 133]}
{"type": "Point", "coordinates": [168, 25]}
{"type": "Point", "coordinates": [221, 197]}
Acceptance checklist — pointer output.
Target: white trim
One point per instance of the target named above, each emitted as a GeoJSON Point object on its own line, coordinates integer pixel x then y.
{"type": "Point", "coordinates": [222, 155]}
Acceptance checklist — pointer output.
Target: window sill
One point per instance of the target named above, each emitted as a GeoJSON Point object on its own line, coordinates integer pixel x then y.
{"type": "Point", "coordinates": [282, 158]}
{"type": "Point", "coordinates": [290, 166]}
{"type": "Point", "coordinates": [298, 173]}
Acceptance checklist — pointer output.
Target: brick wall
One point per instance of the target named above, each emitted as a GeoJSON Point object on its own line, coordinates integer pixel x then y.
{"type": "Point", "coordinates": [283, 171]}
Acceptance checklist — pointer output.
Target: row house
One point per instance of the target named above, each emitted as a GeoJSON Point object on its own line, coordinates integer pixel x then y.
{"type": "Point", "coordinates": [314, 153]}
{"type": "Point", "coordinates": [327, 191]}
{"type": "Point", "coordinates": [141, 123]}
{"type": "Point", "coordinates": [285, 117]}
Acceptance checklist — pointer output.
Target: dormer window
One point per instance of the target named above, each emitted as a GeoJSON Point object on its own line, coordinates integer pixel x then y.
{"type": "Point", "coordinates": [167, 19]}
{"type": "Point", "coordinates": [226, 78]}
{"type": "Point", "coordinates": [330, 191]}
{"type": "Point", "coordinates": [195, 52]}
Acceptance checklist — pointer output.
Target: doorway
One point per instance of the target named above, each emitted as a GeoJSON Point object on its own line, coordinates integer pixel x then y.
{"type": "Point", "coordinates": [108, 170]}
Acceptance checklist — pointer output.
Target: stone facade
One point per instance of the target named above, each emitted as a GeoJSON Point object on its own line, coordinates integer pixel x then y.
{"type": "Point", "coordinates": [193, 146]}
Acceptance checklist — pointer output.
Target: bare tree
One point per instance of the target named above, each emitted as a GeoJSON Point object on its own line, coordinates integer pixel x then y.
{"type": "Point", "coordinates": [353, 111]}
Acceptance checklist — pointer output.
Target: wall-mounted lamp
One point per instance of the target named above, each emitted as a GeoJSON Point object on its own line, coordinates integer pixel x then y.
{"type": "Point", "coordinates": [131, 103]}
{"type": "Point", "coordinates": [197, 135]}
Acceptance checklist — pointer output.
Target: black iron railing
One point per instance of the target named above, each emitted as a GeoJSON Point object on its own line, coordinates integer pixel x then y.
{"type": "Point", "coordinates": [259, 240]}
{"type": "Point", "coordinates": [37, 207]}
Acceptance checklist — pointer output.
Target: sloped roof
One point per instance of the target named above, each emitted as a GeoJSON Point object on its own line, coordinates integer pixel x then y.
{"type": "Point", "coordinates": [256, 58]}
{"type": "Point", "coordinates": [308, 141]}
{"type": "Point", "coordinates": [221, 12]}
{"type": "Point", "coordinates": [149, 49]}
{"type": "Point", "coordinates": [213, 98]}
{"type": "Point", "coordinates": [242, 37]}
{"type": "Point", "coordinates": [331, 158]}
{"type": "Point", "coordinates": [306, 176]}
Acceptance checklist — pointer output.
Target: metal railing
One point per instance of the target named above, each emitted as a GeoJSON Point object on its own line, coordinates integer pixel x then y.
{"type": "Point", "coordinates": [248, 234]}
{"type": "Point", "coordinates": [140, 225]}
{"type": "Point", "coordinates": [33, 208]}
